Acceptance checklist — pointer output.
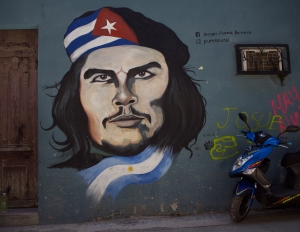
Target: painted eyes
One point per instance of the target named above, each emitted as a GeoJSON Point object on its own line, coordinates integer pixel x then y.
{"type": "Point", "coordinates": [106, 78]}
{"type": "Point", "coordinates": [101, 78]}
{"type": "Point", "coordinates": [144, 75]}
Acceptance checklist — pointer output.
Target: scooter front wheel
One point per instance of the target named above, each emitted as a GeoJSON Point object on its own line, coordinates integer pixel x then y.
{"type": "Point", "coordinates": [239, 207]}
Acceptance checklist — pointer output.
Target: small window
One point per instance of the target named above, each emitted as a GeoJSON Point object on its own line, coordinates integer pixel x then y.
{"type": "Point", "coordinates": [263, 59]}
{"type": "Point", "coordinates": [257, 60]}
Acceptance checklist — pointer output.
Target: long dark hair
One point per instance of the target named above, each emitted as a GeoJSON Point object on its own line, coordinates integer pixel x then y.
{"type": "Point", "coordinates": [182, 104]}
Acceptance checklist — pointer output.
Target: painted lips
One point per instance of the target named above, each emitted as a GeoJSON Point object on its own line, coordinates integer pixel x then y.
{"type": "Point", "coordinates": [125, 121]}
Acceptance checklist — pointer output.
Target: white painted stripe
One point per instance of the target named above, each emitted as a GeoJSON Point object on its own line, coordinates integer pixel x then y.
{"type": "Point", "coordinates": [79, 32]}
{"type": "Point", "coordinates": [98, 187]}
{"type": "Point", "coordinates": [94, 43]}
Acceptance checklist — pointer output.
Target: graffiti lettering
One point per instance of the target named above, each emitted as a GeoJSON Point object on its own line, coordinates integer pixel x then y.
{"type": "Point", "coordinates": [256, 118]}
{"type": "Point", "coordinates": [285, 103]}
{"type": "Point", "coordinates": [224, 147]}
{"type": "Point", "coordinates": [228, 115]}
{"type": "Point", "coordinates": [258, 124]}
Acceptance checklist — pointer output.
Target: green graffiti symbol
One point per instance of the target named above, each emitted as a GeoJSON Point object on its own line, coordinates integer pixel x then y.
{"type": "Point", "coordinates": [224, 147]}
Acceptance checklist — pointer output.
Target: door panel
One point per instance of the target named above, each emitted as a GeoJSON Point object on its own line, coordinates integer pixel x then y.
{"type": "Point", "coordinates": [18, 116]}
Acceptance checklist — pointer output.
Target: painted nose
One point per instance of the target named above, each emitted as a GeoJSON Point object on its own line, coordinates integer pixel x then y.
{"type": "Point", "coordinates": [124, 97]}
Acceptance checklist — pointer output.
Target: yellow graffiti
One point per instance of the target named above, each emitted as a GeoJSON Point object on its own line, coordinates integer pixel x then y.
{"type": "Point", "coordinates": [228, 114]}
{"type": "Point", "coordinates": [224, 147]}
{"type": "Point", "coordinates": [258, 121]}
{"type": "Point", "coordinates": [272, 119]}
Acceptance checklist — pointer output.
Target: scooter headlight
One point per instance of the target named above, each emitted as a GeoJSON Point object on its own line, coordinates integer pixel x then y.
{"type": "Point", "coordinates": [249, 171]}
{"type": "Point", "coordinates": [240, 162]}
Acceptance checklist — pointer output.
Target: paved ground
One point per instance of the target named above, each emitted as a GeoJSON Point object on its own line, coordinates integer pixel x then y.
{"type": "Point", "coordinates": [274, 220]}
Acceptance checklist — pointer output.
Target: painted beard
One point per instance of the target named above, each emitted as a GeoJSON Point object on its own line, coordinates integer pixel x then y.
{"type": "Point", "coordinates": [131, 149]}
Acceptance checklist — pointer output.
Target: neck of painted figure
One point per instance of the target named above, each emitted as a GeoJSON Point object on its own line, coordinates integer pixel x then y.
{"type": "Point", "coordinates": [96, 150]}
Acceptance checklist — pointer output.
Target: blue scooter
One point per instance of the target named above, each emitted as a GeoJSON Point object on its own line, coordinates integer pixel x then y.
{"type": "Point", "coordinates": [251, 167]}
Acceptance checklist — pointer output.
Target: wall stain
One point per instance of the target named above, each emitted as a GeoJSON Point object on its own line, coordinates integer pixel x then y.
{"type": "Point", "coordinates": [174, 206]}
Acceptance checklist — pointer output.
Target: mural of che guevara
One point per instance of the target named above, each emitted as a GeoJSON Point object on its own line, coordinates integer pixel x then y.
{"type": "Point", "coordinates": [127, 105]}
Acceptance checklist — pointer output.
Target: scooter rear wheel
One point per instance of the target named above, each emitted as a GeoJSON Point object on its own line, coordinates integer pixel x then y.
{"type": "Point", "coordinates": [239, 207]}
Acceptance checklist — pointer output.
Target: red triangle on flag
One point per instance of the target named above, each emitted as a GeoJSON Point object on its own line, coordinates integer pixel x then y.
{"type": "Point", "coordinates": [110, 24]}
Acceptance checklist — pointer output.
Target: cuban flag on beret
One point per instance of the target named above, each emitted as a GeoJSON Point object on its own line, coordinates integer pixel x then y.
{"type": "Point", "coordinates": [101, 29]}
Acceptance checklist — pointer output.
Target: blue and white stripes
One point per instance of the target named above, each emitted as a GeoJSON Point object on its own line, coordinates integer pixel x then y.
{"type": "Point", "coordinates": [112, 174]}
{"type": "Point", "coordinates": [79, 38]}
{"type": "Point", "coordinates": [80, 26]}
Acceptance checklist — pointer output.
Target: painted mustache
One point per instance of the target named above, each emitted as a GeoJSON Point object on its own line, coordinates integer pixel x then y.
{"type": "Point", "coordinates": [120, 118]}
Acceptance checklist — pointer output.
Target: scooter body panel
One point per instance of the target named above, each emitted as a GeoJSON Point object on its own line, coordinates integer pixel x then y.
{"type": "Point", "coordinates": [285, 200]}
{"type": "Point", "coordinates": [254, 155]}
{"type": "Point", "coordinates": [281, 195]}
{"type": "Point", "coordinates": [243, 187]}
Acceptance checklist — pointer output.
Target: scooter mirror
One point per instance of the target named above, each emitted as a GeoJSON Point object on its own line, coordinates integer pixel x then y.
{"type": "Point", "coordinates": [292, 128]}
{"type": "Point", "coordinates": [243, 117]}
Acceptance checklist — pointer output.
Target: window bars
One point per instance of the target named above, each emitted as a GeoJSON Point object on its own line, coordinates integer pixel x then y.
{"type": "Point", "coordinates": [263, 59]}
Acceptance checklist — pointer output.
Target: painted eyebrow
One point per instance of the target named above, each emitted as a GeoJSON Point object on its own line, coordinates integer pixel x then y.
{"type": "Point", "coordinates": [91, 72]}
{"type": "Point", "coordinates": [133, 71]}
{"type": "Point", "coordinates": [136, 70]}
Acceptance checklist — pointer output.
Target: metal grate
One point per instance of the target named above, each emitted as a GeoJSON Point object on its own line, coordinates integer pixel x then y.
{"type": "Point", "coordinates": [262, 61]}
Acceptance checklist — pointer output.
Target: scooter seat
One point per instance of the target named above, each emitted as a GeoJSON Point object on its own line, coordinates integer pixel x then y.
{"type": "Point", "coordinates": [290, 158]}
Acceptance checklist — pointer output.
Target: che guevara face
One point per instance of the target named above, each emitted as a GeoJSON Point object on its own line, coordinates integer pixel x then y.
{"type": "Point", "coordinates": [120, 89]}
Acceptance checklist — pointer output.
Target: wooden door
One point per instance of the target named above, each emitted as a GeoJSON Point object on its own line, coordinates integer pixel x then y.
{"type": "Point", "coordinates": [18, 116]}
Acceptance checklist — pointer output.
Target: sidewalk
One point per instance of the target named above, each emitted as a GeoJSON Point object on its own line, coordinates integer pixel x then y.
{"type": "Point", "coordinates": [273, 220]}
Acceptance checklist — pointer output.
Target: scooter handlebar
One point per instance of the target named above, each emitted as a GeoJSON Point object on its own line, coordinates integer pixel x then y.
{"type": "Point", "coordinates": [244, 132]}
{"type": "Point", "coordinates": [284, 143]}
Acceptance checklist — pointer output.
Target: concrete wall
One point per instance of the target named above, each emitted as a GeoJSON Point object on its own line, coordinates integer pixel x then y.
{"type": "Point", "coordinates": [191, 185]}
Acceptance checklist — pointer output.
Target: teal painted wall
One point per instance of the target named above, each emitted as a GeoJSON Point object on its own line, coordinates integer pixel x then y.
{"type": "Point", "coordinates": [190, 186]}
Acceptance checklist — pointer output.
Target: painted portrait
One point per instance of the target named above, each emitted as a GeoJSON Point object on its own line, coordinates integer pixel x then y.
{"type": "Point", "coordinates": [127, 105]}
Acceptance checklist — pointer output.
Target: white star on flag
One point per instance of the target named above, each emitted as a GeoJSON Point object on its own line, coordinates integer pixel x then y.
{"type": "Point", "coordinates": [109, 26]}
